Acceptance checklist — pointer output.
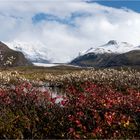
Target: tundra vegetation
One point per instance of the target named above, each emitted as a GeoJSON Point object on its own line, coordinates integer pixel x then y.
{"type": "Point", "coordinates": [93, 103]}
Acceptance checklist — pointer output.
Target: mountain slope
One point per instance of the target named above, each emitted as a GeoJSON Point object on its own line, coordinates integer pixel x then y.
{"type": "Point", "coordinates": [131, 58]}
{"type": "Point", "coordinates": [34, 51]}
{"type": "Point", "coordinates": [110, 55]}
{"type": "Point", "coordinates": [11, 58]}
{"type": "Point", "coordinates": [111, 47]}
{"type": "Point", "coordinates": [92, 60]}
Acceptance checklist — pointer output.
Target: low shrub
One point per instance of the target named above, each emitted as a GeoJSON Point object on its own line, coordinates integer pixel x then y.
{"type": "Point", "coordinates": [88, 110]}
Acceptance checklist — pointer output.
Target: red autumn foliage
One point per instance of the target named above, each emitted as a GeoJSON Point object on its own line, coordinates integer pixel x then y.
{"type": "Point", "coordinates": [88, 110]}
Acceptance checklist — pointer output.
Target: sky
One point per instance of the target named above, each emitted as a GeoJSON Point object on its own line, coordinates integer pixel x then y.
{"type": "Point", "coordinates": [130, 4]}
{"type": "Point", "coordinates": [65, 27]}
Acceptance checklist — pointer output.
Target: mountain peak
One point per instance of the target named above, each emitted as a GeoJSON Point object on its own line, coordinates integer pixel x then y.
{"type": "Point", "coordinates": [112, 42]}
{"type": "Point", "coordinates": [112, 46]}
{"type": "Point", "coordinates": [35, 51]}
{"type": "Point", "coordinates": [10, 58]}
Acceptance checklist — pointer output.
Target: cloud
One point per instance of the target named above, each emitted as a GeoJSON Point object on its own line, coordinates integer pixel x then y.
{"type": "Point", "coordinates": [68, 20]}
{"type": "Point", "coordinates": [65, 27]}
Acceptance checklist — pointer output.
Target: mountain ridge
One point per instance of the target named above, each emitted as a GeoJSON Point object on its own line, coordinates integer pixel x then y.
{"type": "Point", "coordinates": [109, 55]}
{"type": "Point", "coordinates": [11, 58]}
{"type": "Point", "coordinates": [112, 46]}
{"type": "Point", "coordinates": [34, 51]}
{"type": "Point", "coordinates": [37, 52]}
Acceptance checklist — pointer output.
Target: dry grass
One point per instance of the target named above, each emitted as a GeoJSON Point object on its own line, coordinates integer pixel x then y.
{"type": "Point", "coordinates": [62, 75]}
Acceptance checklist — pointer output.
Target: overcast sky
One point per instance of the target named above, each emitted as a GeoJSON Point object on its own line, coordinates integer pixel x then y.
{"type": "Point", "coordinates": [66, 27]}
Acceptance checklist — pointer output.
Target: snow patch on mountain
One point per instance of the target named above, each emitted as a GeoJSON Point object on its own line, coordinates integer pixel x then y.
{"type": "Point", "coordinates": [38, 52]}
{"type": "Point", "coordinates": [112, 47]}
{"type": "Point", "coordinates": [34, 51]}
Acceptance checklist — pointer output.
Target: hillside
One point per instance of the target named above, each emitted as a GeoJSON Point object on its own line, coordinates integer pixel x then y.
{"type": "Point", "coordinates": [131, 58]}
{"type": "Point", "coordinates": [36, 52]}
{"type": "Point", "coordinates": [11, 58]}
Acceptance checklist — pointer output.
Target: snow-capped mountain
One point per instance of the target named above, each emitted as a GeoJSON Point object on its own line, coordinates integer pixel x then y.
{"type": "Point", "coordinates": [112, 47]}
{"type": "Point", "coordinates": [37, 52]}
{"type": "Point", "coordinates": [11, 58]}
{"type": "Point", "coordinates": [112, 54]}
{"type": "Point", "coordinates": [34, 51]}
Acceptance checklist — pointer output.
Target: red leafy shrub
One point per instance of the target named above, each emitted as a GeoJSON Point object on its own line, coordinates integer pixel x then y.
{"type": "Point", "coordinates": [87, 110]}
{"type": "Point", "coordinates": [99, 111]}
